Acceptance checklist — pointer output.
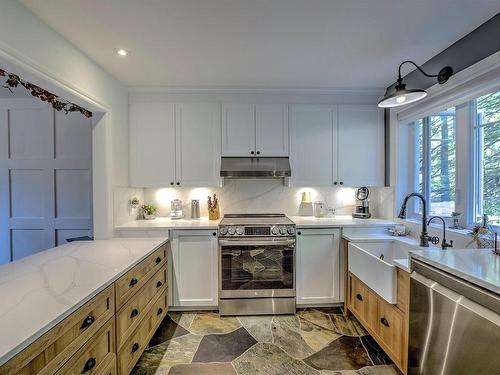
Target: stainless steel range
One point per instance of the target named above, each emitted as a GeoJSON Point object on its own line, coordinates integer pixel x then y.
{"type": "Point", "coordinates": [257, 264]}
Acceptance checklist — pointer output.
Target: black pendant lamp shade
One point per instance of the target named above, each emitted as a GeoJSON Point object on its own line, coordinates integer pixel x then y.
{"type": "Point", "coordinates": [401, 95]}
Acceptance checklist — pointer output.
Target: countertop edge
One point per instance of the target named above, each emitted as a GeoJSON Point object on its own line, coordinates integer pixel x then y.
{"type": "Point", "coordinates": [30, 340]}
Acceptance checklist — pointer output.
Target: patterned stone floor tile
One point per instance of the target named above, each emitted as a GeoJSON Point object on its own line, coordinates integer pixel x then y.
{"type": "Point", "coordinates": [183, 319]}
{"type": "Point", "coordinates": [346, 372]}
{"type": "Point", "coordinates": [203, 369]}
{"type": "Point", "coordinates": [258, 326]}
{"type": "Point", "coordinates": [345, 353]}
{"type": "Point", "coordinates": [224, 347]}
{"type": "Point", "coordinates": [348, 326]}
{"type": "Point", "coordinates": [160, 358]}
{"type": "Point", "coordinates": [379, 370]}
{"type": "Point", "coordinates": [287, 336]}
{"type": "Point", "coordinates": [316, 337]}
{"type": "Point", "coordinates": [317, 317]}
{"type": "Point", "coordinates": [167, 330]}
{"type": "Point", "coordinates": [268, 359]}
{"type": "Point", "coordinates": [212, 323]}
{"type": "Point", "coordinates": [376, 353]}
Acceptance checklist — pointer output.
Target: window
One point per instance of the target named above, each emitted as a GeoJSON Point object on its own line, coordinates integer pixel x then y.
{"type": "Point", "coordinates": [435, 162]}
{"type": "Point", "coordinates": [487, 157]}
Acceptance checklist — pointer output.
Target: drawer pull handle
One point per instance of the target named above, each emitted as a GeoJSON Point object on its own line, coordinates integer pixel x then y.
{"type": "Point", "coordinates": [135, 347]}
{"type": "Point", "coordinates": [89, 365]}
{"type": "Point", "coordinates": [158, 260]}
{"type": "Point", "coordinates": [158, 284]}
{"type": "Point", "coordinates": [384, 322]}
{"type": "Point", "coordinates": [160, 310]}
{"type": "Point", "coordinates": [133, 281]}
{"type": "Point", "coordinates": [87, 322]}
{"type": "Point", "coordinates": [134, 313]}
{"type": "Point", "coordinates": [359, 296]}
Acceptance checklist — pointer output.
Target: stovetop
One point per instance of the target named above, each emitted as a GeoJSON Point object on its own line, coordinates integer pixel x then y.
{"type": "Point", "coordinates": [256, 219]}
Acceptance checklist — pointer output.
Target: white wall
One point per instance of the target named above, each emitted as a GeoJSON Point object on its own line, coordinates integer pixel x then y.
{"type": "Point", "coordinates": [32, 49]}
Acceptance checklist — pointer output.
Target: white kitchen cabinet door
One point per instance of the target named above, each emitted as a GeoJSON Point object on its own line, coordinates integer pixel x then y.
{"type": "Point", "coordinates": [194, 271]}
{"type": "Point", "coordinates": [313, 145]}
{"type": "Point", "coordinates": [271, 129]}
{"type": "Point", "coordinates": [198, 134]}
{"type": "Point", "coordinates": [361, 145]}
{"type": "Point", "coordinates": [318, 266]}
{"type": "Point", "coordinates": [152, 144]}
{"type": "Point", "coordinates": [238, 129]}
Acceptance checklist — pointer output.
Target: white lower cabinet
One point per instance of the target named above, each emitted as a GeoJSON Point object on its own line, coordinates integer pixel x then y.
{"type": "Point", "coordinates": [194, 268]}
{"type": "Point", "coordinates": [318, 266]}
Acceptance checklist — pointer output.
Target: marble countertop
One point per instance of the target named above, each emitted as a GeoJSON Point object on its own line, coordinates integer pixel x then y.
{"type": "Point", "coordinates": [337, 221]}
{"type": "Point", "coordinates": [167, 223]}
{"type": "Point", "coordinates": [39, 291]}
{"type": "Point", "coordinates": [479, 266]}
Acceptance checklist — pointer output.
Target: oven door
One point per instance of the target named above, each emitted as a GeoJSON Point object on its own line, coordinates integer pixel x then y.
{"type": "Point", "coordinates": [251, 268]}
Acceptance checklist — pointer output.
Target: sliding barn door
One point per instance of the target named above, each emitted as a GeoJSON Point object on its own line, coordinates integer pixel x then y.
{"type": "Point", "coordinates": [45, 177]}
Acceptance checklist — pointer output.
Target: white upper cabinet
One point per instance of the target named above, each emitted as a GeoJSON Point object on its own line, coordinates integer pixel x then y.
{"type": "Point", "coordinates": [152, 144]}
{"type": "Point", "coordinates": [271, 129]}
{"type": "Point", "coordinates": [254, 130]}
{"type": "Point", "coordinates": [198, 134]}
{"type": "Point", "coordinates": [313, 143]}
{"type": "Point", "coordinates": [318, 266]}
{"type": "Point", "coordinates": [361, 145]}
{"type": "Point", "coordinates": [238, 129]}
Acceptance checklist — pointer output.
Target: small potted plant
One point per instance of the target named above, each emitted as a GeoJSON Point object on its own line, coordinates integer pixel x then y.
{"type": "Point", "coordinates": [148, 211]}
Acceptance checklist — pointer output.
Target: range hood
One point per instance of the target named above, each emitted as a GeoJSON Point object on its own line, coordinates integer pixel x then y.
{"type": "Point", "coordinates": [248, 168]}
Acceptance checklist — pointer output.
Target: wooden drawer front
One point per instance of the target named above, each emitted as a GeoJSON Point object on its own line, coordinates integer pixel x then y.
{"type": "Point", "coordinates": [94, 356]}
{"type": "Point", "coordinates": [358, 297]}
{"type": "Point", "coordinates": [110, 368]}
{"type": "Point", "coordinates": [50, 351]}
{"type": "Point", "coordinates": [390, 328]}
{"type": "Point", "coordinates": [134, 279]}
{"type": "Point", "coordinates": [132, 313]}
{"type": "Point", "coordinates": [133, 347]}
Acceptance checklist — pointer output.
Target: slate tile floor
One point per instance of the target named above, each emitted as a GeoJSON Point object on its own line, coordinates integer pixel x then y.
{"type": "Point", "coordinates": [313, 342]}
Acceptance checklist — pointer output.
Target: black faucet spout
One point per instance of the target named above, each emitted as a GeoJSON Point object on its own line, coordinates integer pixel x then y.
{"type": "Point", "coordinates": [444, 244]}
{"type": "Point", "coordinates": [424, 237]}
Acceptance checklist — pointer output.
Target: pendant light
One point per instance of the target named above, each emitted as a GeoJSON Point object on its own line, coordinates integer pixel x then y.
{"type": "Point", "coordinates": [402, 95]}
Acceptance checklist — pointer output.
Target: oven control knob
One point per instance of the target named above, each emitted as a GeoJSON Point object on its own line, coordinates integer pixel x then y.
{"type": "Point", "coordinates": [291, 230]}
{"type": "Point", "coordinates": [223, 231]}
{"type": "Point", "coordinates": [240, 231]}
{"type": "Point", "coordinates": [283, 230]}
{"type": "Point", "coordinates": [231, 231]}
{"type": "Point", "coordinates": [275, 231]}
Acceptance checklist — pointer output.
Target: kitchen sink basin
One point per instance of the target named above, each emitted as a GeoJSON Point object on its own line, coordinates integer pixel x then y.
{"type": "Point", "coordinates": [372, 263]}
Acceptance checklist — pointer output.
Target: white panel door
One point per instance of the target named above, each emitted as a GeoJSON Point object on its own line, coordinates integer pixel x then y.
{"type": "Point", "coordinates": [318, 266]}
{"type": "Point", "coordinates": [194, 272]}
{"type": "Point", "coordinates": [152, 144]}
{"type": "Point", "coordinates": [271, 129]}
{"type": "Point", "coordinates": [361, 145]}
{"type": "Point", "coordinates": [313, 145]}
{"type": "Point", "coordinates": [45, 177]}
{"type": "Point", "coordinates": [198, 135]}
{"type": "Point", "coordinates": [238, 129]}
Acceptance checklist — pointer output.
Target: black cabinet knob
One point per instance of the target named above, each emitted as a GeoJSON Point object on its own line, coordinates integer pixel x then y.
{"type": "Point", "coordinates": [158, 284]}
{"type": "Point", "coordinates": [171, 183]}
{"type": "Point", "coordinates": [384, 322]}
{"type": "Point", "coordinates": [178, 183]}
{"type": "Point", "coordinates": [341, 182]}
{"type": "Point", "coordinates": [258, 152]}
{"type": "Point", "coordinates": [160, 310]}
{"type": "Point", "coordinates": [335, 183]}
{"type": "Point", "coordinates": [359, 296]}
{"type": "Point", "coordinates": [251, 152]}
{"type": "Point", "coordinates": [158, 260]}
{"type": "Point", "coordinates": [89, 365]}
{"type": "Point", "coordinates": [87, 322]}
{"type": "Point", "coordinates": [214, 234]}
{"type": "Point", "coordinates": [299, 233]}
{"type": "Point", "coordinates": [133, 281]}
{"type": "Point", "coordinates": [135, 347]}
{"type": "Point", "coordinates": [134, 313]}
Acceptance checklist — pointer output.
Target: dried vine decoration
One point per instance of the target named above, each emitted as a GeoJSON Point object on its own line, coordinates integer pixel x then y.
{"type": "Point", "coordinates": [45, 96]}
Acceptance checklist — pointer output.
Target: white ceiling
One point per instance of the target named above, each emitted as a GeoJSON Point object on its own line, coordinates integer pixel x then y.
{"type": "Point", "coordinates": [339, 44]}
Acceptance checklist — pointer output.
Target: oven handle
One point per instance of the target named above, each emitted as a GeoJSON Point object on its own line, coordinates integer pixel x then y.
{"type": "Point", "coordinates": [243, 242]}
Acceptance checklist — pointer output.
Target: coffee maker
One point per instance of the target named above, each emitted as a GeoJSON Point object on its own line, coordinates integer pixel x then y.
{"type": "Point", "coordinates": [363, 204]}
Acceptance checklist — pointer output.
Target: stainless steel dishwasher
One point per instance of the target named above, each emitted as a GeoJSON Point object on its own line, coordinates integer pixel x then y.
{"type": "Point", "coordinates": [454, 325]}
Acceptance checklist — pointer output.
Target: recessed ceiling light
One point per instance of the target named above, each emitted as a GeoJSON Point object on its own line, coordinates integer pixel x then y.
{"type": "Point", "coordinates": [121, 52]}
